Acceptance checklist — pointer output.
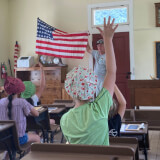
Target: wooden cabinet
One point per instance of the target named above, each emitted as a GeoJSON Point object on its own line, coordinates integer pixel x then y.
{"type": "Point", "coordinates": [65, 95]}
{"type": "Point", "coordinates": [54, 76]}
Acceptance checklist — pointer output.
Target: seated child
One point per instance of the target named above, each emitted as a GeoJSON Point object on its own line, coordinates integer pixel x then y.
{"type": "Point", "coordinates": [116, 113]}
{"type": "Point", "coordinates": [13, 108]}
{"type": "Point", "coordinates": [86, 122]}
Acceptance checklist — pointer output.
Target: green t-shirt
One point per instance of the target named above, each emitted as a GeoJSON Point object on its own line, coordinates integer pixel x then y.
{"type": "Point", "coordinates": [88, 124]}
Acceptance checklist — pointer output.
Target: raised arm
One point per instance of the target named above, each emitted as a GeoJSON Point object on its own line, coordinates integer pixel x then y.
{"type": "Point", "coordinates": [121, 100]}
{"type": "Point", "coordinates": [42, 82]}
{"type": "Point", "coordinates": [88, 48]}
{"type": "Point", "coordinates": [107, 35]}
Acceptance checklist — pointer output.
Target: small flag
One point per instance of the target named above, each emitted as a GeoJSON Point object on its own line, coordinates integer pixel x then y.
{"type": "Point", "coordinates": [16, 55]}
{"type": "Point", "coordinates": [54, 42]}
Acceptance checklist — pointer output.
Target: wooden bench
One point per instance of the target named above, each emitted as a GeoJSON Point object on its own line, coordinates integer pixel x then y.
{"type": "Point", "coordinates": [78, 152]}
{"type": "Point", "coordinates": [9, 141]}
{"type": "Point", "coordinates": [150, 116]}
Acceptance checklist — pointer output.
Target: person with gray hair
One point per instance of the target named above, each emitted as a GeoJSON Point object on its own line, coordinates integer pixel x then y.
{"type": "Point", "coordinates": [100, 63]}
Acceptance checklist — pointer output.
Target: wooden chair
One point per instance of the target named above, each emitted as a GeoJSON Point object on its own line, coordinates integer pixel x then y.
{"type": "Point", "coordinates": [42, 123]}
{"type": "Point", "coordinates": [126, 141]}
{"type": "Point", "coordinates": [145, 115]}
{"type": "Point", "coordinates": [128, 115]}
{"type": "Point", "coordinates": [10, 141]}
{"type": "Point", "coordinates": [150, 116]}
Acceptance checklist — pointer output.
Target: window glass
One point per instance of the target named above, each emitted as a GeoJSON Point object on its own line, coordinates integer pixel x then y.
{"type": "Point", "coordinates": [119, 13]}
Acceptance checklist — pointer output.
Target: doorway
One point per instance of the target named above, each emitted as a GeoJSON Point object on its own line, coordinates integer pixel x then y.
{"type": "Point", "coordinates": [122, 54]}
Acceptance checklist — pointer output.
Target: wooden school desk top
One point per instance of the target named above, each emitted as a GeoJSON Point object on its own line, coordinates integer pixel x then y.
{"type": "Point", "coordinates": [137, 132]}
{"type": "Point", "coordinates": [67, 103]}
{"type": "Point", "coordinates": [5, 126]}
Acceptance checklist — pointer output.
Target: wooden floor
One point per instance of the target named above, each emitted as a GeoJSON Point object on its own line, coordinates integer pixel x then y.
{"type": "Point", "coordinates": [153, 153]}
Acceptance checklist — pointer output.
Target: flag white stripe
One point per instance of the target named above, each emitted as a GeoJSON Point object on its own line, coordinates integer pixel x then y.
{"type": "Point", "coordinates": [60, 53]}
{"type": "Point", "coordinates": [60, 47]}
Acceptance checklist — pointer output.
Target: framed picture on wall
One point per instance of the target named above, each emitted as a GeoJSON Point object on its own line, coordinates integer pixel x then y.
{"type": "Point", "coordinates": [157, 45]}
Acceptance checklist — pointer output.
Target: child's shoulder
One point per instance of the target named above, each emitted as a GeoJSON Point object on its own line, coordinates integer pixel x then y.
{"type": "Point", "coordinates": [3, 99]}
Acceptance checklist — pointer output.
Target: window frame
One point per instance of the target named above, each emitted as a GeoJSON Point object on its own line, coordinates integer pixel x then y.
{"type": "Point", "coordinates": [108, 7]}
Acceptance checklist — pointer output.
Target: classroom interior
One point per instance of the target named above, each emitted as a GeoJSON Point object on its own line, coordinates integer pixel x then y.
{"type": "Point", "coordinates": [18, 22]}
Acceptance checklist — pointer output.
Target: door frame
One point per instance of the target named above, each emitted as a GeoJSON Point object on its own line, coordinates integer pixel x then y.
{"type": "Point", "coordinates": [121, 28]}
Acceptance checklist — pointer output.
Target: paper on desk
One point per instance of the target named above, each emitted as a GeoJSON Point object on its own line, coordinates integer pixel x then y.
{"type": "Point", "coordinates": [122, 127]}
{"type": "Point", "coordinates": [51, 108]}
{"type": "Point", "coordinates": [38, 108]}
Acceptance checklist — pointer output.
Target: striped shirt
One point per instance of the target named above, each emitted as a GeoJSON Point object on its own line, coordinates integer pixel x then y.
{"type": "Point", "coordinates": [20, 109]}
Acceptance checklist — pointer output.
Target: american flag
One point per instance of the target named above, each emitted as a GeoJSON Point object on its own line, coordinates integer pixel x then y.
{"type": "Point", "coordinates": [54, 42]}
{"type": "Point", "coordinates": [16, 54]}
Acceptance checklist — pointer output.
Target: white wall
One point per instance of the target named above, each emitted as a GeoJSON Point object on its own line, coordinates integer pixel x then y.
{"type": "Point", "coordinates": [4, 41]}
{"type": "Point", "coordinates": [145, 35]}
{"type": "Point", "coordinates": [71, 16]}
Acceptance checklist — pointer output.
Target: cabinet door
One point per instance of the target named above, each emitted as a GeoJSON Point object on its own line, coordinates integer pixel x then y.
{"type": "Point", "coordinates": [50, 95]}
{"type": "Point", "coordinates": [65, 95]}
{"type": "Point", "coordinates": [53, 78]}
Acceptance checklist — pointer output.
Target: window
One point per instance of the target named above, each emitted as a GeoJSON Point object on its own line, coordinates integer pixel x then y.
{"type": "Point", "coordinates": [120, 13]}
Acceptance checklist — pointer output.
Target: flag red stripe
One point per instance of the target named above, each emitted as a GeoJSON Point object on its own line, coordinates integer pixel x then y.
{"type": "Point", "coordinates": [60, 50]}
{"type": "Point", "coordinates": [71, 35]}
{"type": "Point", "coordinates": [71, 40]}
{"type": "Point", "coordinates": [60, 44]}
{"type": "Point", "coordinates": [61, 56]}
{"type": "Point", "coordinates": [59, 31]}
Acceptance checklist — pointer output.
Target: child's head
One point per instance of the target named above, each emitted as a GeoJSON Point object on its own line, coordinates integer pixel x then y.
{"type": "Point", "coordinates": [113, 110]}
{"type": "Point", "coordinates": [29, 91]}
{"type": "Point", "coordinates": [81, 83]}
{"type": "Point", "coordinates": [13, 85]}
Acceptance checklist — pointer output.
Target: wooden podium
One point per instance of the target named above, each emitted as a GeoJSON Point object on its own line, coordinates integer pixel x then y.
{"type": "Point", "coordinates": [144, 92]}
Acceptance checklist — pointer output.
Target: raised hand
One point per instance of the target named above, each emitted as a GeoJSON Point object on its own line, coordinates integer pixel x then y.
{"type": "Point", "coordinates": [109, 29]}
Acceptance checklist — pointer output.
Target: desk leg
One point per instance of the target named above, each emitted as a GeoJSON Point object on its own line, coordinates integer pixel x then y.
{"type": "Point", "coordinates": [9, 150]}
{"type": "Point", "coordinates": [43, 132]}
{"type": "Point", "coordinates": [144, 143]}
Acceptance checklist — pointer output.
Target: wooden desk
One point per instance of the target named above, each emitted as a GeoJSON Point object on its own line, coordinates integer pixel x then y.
{"type": "Point", "coordinates": [38, 123]}
{"type": "Point", "coordinates": [57, 113]}
{"type": "Point", "coordinates": [67, 103]}
{"type": "Point", "coordinates": [126, 141]}
{"type": "Point", "coordinates": [144, 92]}
{"type": "Point", "coordinates": [6, 138]}
{"type": "Point", "coordinates": [78, 152]}
{"type": "Point", "coordinates": [141, 134]}
{"type": "Point", "coordinates": [4, 127]}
